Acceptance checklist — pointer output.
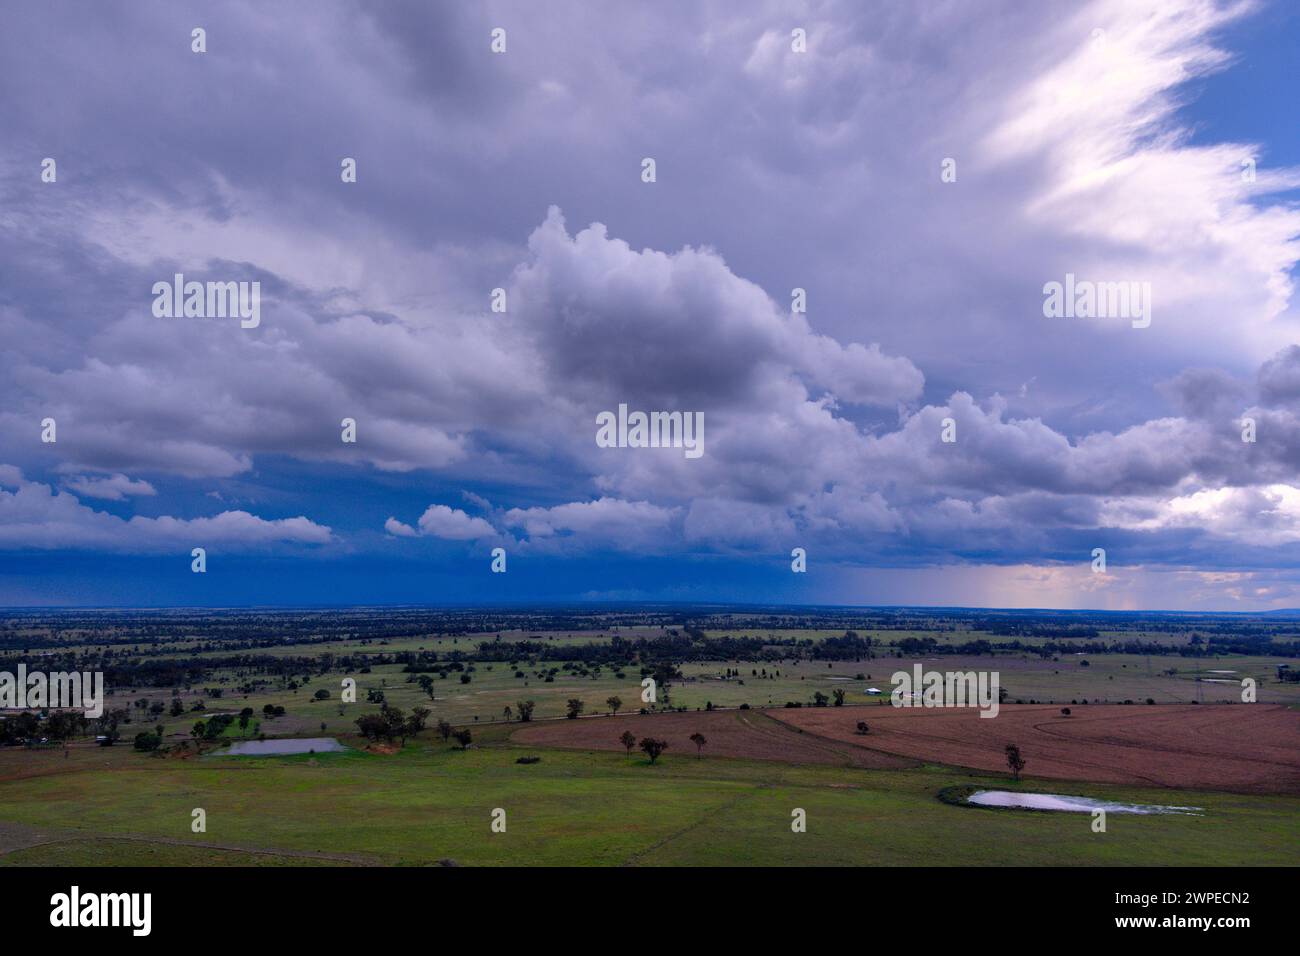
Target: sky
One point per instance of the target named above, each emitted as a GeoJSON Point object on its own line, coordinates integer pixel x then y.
{"type": "Point", "coordinates": [504, 269]}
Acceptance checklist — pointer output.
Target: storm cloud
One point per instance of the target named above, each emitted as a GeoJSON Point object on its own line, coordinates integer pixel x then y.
{"type": "Point", "coordinates": [514, 180]}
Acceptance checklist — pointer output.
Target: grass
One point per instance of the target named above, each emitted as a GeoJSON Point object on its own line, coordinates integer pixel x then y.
{"type": "Point", "coordinates": [430, 803]}
{"type": "Point", "coordinates": [1111, 677]}
{"type": "Point", "coordinates": [100, 852]}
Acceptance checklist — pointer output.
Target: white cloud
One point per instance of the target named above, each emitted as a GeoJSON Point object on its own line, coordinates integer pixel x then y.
{"type": "Point", "coordinates": [439, 521]}
{"type": "Point", "coordinates": [398, 529]}
{"type": "Point", "coordinates": [632, 526]}
{"type": "Point", "coordinates": [113, 488]}
{"type": "Point", "coordinates": [39, 516]}
{"type": "Point", "coordinates": [1263, 516]}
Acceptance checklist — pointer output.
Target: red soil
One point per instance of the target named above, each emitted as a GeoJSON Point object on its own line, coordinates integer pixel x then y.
{"type": "Point", "coordinates": [731, 733]}
{"type": "Point", "coordinates": [1246, 748]}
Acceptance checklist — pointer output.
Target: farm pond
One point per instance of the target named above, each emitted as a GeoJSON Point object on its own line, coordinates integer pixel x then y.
{"type": "Point", "coordinates": [281, 748]}
{"type": "Point", "coordinates": [1053, 801]}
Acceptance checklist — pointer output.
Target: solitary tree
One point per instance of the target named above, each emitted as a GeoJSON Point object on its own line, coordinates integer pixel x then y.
{"type": "Point", "coordinates": [614, 704]}
{"type": "Point", "coordinates": [653, 747]}
{"type": "Point", "coordinates": [507, 713]}
{"type": "Point", "coordinates": [464, 738]}
{"type": "Point", "coordinates": [838, 694]}
{"type": "Point", "coordinates": [525, 708]}
{"type": "Point", "coordinates": [1014, 760]}
{"type": "Point", "coordinates": [575, 708]}
{"type": "Point", "coordinates": [699, 740]}
{"type": "Point", "coordinates": [628, 740]}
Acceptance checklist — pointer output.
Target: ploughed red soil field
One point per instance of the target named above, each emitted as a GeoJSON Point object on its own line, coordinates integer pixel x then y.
{"type": "Point", "coordinates": [1246, 748]}
{"type": "Point", "coordinates": [730, 733]}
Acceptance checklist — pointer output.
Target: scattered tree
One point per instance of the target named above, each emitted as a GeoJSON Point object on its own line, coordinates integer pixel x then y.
{"type": "Point", "coordinates": [653, 747]}
{"type": "Point", "coordinates": [1014, 760]}
{"type": "Point", "coordinates": [390, 724]}
{"type": "Point", "coordinates": [699, 740]}
{"type": "Point", "coordinates": [628, 740]}
{"type": "Point", "coordinates": [417, 720]}
{"type": "Point", "coordinates": [426, 684]}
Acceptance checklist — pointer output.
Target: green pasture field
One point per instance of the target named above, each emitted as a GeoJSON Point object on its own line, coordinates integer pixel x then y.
{"type": "Point", "coordinates": [431, 803]}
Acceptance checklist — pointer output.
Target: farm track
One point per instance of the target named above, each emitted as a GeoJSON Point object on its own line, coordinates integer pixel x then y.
{"type": "Point", "coordinates": [704, 818]}
{"type": "Point", "coordinates": [775, 728]}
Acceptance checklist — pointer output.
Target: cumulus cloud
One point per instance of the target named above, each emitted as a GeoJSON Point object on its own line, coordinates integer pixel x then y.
{"type": "Point", "coordinates": [822, 429]}
{"type": "Point", "coordinates": [1264, 516]}
{"type": "Point", "coordinates": [443, 522]}
{"type": "Point", "coordinates": [113, 488]}
{"type": "Point", "coordinates": [440, 521]}
{"type": "Point", "coordinates": [680, 328]}
{"type": "Point", "coordinates": [602, 523]}
{"type": "Point", "coordinates": [1279, 377]}
{"type": "Point", "coordinates": [398, 529]}
{"type": "Point", "coordinates": [37, 516]}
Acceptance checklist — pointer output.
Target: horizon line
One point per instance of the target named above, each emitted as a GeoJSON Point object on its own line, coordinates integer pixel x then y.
{"type": "Point", "coordinates": [646, 605]}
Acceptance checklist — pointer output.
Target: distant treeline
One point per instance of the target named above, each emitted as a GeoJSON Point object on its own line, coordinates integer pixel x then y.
{"type": "Point", "coordinates": [250, 629]}
{"type": "Point", "coordinates": [143, 649]}
{"type": "Point", "coordinates": [1246, 646]}
{"type": "Point", "coordinates": [673, 648]}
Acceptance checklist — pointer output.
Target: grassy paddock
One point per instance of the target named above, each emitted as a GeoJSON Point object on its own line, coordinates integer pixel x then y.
{"type": "Point", "coordinates": [432, 803]}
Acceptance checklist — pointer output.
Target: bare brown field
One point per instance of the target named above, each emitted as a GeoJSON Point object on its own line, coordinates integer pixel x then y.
{"type": "Point", "coordinates": [732, 733]}
{"type": "Point", "coordinates": [1243, 748]}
